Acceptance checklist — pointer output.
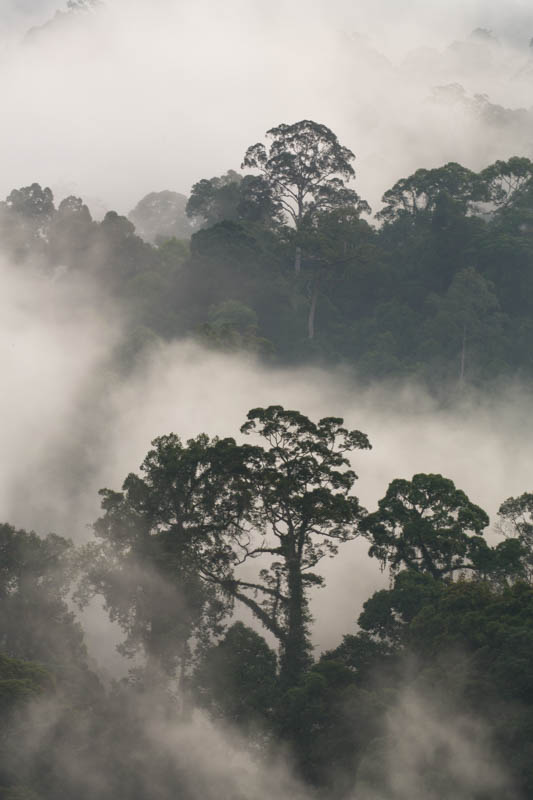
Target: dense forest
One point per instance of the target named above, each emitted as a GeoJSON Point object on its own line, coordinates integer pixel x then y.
{"type": "Point", "coordinates": [211, 526]}
{"type": "Point", "coordinates": [286, 261]}
{"type": "Point", "coordinates": [206, 560]}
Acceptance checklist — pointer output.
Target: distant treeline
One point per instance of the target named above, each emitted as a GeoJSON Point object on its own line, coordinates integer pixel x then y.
{"type": "Point", "coordinates": [454, 629]}
{"type": "Point", "coordinates": [286, 261]}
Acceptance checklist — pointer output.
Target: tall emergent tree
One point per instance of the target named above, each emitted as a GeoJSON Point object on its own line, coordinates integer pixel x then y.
{"type": "Point", "coordinates": [307, 170]}
{"type": "Point", "coordinates": [176, 539]}
{"type": "Point", "coordinates": [516, 521]}
{"type": "Point", "coordinates": [303, 509]}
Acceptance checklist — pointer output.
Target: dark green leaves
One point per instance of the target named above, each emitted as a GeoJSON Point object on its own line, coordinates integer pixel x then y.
{"type": "Point", "coordinates": [418, 194]}
{"type": "Point", "coordinates": [306, 169]}
{"type": "Point", "coordinates": [174, 540]}
{"type": "Point", "coordinates": [427, 525]}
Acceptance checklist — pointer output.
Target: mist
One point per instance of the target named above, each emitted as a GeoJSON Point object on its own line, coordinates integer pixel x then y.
{"type": "Point", "coordinates": [180, 90]}
{"type": "Point", "coordinates": [74, 424]}
{"type": "Point", "coordinates": [136, 96]}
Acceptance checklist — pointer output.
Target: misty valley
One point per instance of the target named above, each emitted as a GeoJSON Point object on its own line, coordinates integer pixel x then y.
{"type": "Point", "coordinates": [266, 491]}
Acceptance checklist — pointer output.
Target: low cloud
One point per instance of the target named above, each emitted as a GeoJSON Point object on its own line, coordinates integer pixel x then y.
{"type": "Point", "coordinates": [73, 424]}
{"type": "Point", "coordinates": [141, 96]}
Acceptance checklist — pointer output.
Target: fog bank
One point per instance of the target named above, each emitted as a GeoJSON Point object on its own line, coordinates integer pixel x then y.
{"type": "Point", "coordinates": [73, 424]}
{"type": "Point", "coordinates": [138, 96]}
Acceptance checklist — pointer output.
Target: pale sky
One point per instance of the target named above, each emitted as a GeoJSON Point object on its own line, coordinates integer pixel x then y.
{"type": "Point", "coordinates": [146, 95]}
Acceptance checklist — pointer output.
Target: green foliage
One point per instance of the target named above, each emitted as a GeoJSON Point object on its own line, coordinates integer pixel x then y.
{"type": "Point", "coordinates": [363, 654]}
{"type": "Point", "coordinates": [419, 194]}
{"type": "Point", "coordinates": [303, 504]}
{"type": "Point", "coordinates": [426, 525]}
{"type": "Point", "coordinates": [505, 181]}
{"type": "Point", "coordinates": [233, 313]}
{"type": "Point", "coordinates": [493, 630]}
{"type": "Point", "coordinates": [20, 681]}
{"type": "Point", "coordinates": [236, 679]}
{"type": "Point", "coordinates": [31, 201]}
{"type": "Point", "coordinates": [24, 219]}
{"type": "Point", "coordinates": [441, 293]}
{"type": "Point", "coordinates": [468, 645]}
{"type": "Point", "coordinates": [306, 169]}
{"type": "Point", "coordinates": [35, 621]}
{"type": "Point", "coordinates": [168, 559]}
{"type": "Point", "coordinates": [232, 198]}
{"type": "Point", "coordinates": [215, 200]}
{"type": "Point", "coordinates": [233, 326]}
{"type": "Point", "coordinates": [464, 326]}
{"type": "Point", "coordinates": [387, 612]}
{"type": "Point", "coordinates": [328, 721]}
{"type": "Point", "coordinates": [201, 510]}
{"type": "Point", "coordinates": [516, 517]}
{"type": "Point", "coordinates": [165, 552]}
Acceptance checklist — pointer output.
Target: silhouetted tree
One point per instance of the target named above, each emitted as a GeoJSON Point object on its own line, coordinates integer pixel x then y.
{"type": "Point", "coordinates": [426, 525]}
{"type": "Point", "coordinates": [307, 171]}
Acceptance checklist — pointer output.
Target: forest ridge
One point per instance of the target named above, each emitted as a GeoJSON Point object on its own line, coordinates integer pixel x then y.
{"type": "Point", "coordinates": [285, 261]}
{"type": "Point", "coordinates": [172, 559]}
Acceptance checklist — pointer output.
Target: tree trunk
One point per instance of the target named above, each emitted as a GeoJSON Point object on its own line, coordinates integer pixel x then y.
{"type": "Point", "coordinates": [295, 652]}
